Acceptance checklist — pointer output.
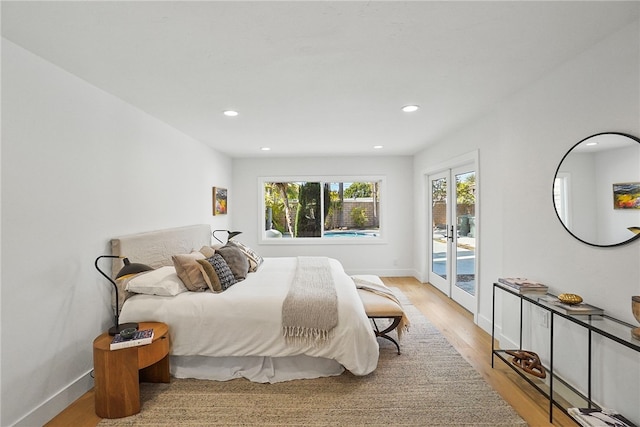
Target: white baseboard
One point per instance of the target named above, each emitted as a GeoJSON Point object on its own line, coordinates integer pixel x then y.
{"type": "Point", "coordinates": [57, 403]}
{"type": "Point", "coordinates": [505, 342]}
{"type": "Point", "coordinates": [485, 323]}
{"type": "Point", "coordinates": [400, 272]}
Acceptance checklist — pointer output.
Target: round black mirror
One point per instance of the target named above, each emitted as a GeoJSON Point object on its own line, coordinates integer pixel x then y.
{"type": "Point", "coordinates": [596, 190]}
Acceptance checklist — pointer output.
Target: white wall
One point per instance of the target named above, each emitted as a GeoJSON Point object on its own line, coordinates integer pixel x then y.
{"type": "Point", "coordinates": [393, 258]}
{"type": "Point", "coordinates": [520, 146]}
{"type": "Point", "coordinates": [79, 166]}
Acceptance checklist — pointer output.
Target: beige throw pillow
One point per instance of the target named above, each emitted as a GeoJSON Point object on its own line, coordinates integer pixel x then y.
{"type": "Point", "coordinates": [190, 271]}
{"type": "Point", "coordinates": [210, 275]}
{"type": "Point", "coordinates": [207, 251]}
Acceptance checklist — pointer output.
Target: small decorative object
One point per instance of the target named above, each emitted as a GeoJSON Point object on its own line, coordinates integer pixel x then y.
{"type": "Point", "coordinates": [128, 333]}
{"type": "Point", "coordinates": [626, 195]}
{"type": "Point", "coordinates": [635, 307]}
{"type": "Point", "coordinates": [528, 361]}
{"type": "Point", "coordinates": [570, 299]}
{"type": "Point", "coordinates": [219, 201]}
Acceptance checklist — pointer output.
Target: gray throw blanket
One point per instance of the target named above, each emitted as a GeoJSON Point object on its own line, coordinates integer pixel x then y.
{"type": "Point", "coordinates": [310, 310]}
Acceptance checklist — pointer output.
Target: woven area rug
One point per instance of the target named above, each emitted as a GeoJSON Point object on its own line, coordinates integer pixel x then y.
{"type": "Point", "coordinates": [429, 384]}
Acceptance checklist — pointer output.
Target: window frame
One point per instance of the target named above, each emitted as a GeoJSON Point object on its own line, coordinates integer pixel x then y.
{"type": "Point", "coordinates": [322, 179]}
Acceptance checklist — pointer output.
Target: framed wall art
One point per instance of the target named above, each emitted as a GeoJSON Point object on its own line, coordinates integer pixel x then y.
{"type": "Point", "coordinates": [626, 195]}
{"type": "Point", "coordinates": [219, 201]}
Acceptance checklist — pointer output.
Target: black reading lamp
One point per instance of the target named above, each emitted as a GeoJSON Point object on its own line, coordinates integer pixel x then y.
{"type": "Point", "coordinates": [230, 235]}
{"type": "Point", "coordinates": [129, 268]}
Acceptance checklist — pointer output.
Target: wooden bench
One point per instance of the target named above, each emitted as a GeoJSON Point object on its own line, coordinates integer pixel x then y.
{"type": "Point", "coordinates": [380, 307]}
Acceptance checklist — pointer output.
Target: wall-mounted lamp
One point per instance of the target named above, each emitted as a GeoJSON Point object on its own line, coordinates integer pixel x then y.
{"type": "Point", "coordinates": [230, 234]}
{"type": "Point", "coordinates": [129, 268]}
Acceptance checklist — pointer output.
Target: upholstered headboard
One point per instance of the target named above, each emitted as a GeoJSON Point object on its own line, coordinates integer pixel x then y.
{"type": "Point", "coordinates": [155, 248]}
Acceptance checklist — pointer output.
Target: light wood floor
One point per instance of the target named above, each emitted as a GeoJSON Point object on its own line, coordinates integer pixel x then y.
{"type": "Point", "coordinates": [455, 323]}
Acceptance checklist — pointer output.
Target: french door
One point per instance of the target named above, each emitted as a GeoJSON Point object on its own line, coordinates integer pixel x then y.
{"type": "Point", "coordinates": [452, 264]}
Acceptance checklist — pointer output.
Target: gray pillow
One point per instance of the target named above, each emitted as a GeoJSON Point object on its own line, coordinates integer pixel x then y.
{"type": "Point", "coordinates": [236, 260]}
{"type": "Point", "coordinates": [255, 260]}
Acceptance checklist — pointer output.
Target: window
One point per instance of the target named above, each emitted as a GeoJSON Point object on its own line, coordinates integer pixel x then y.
{"type": "Point", "coordinates": [333, 210]}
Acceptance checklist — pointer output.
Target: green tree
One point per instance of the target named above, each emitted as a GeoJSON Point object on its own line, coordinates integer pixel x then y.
{"type": "Point", "coordinates": [439, 191]}
{"type": "Point", "coordinates": [277, 197]}
{"type": "Point", "coordinates": [333, 215]}
{"type": "Point", "coordinates": [358, 189]}
{"type": "Point", "coordinates": [359, 217]}
{"type": "Point", "coordinates": [308, 215]}
{"type": "Point", "coordinates": [466, 190]}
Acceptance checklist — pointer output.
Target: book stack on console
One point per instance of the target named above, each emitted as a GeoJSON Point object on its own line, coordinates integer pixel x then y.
{"type": "Point", "coordinates": [522, 285]}
{"type": "Point", "coordinates": [581, 308]}
{"type": "Point", "coordinates": [590, 417]}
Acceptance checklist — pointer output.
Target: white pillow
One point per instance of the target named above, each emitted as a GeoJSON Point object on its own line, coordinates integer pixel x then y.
{"type": "Point", "coordinates": [163, 281]}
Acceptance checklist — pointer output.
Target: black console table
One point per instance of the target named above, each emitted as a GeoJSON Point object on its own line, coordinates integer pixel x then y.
{"type": "Point", "coordinates": [601, 324]}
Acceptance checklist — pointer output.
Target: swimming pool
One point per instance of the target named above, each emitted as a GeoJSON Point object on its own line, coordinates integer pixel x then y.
{"type": "Point", "coordinates": [351, 233]}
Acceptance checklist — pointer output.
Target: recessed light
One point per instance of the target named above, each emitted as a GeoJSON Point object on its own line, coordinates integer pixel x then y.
{"type": "Point", "coordinates": [378, 147]}
{"type": "Point", "coordinates": [410, 108]}
{"type": "Point", "coordinates": [230, 113]}
{"type": "Point", "coordinates": [591, 143]}
{"type": "Point", "coordinates": [265, 148]}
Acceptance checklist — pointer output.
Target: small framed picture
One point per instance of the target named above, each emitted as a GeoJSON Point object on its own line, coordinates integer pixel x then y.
{"type": "Point", "coordinates": [626, 195]}
{"type": "Point", "coordinates": [219, 201]}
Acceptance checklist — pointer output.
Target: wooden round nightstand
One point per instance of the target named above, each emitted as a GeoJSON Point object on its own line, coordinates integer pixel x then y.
{"type": "Point", "coordinates": [118, 373]}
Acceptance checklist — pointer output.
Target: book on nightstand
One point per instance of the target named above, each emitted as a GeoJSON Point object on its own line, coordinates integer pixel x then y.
{"type": "Point", "coordinates": [139, 338]}
{"type": "Point", "coordinates": [522, 285]}
{"type": "Point", "coordinates": [591, 417]}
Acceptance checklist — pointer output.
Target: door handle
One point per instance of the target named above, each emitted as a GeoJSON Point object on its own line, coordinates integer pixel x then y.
{"type": "Point", "coordinates": [451, 234]}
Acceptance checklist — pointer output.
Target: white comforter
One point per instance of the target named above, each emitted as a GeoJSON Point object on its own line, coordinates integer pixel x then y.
{"type": "Point", "coordinates": [245, 320]}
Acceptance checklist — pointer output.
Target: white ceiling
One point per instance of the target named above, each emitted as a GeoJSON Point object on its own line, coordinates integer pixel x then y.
{"type": "Point", "coordinates": [312, 78]}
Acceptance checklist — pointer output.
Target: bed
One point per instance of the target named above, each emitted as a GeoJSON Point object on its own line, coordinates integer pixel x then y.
{"type": "Point", "coordinates": [238, 332]}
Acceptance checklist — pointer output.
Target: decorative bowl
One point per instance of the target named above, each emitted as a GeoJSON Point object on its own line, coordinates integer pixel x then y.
{"type": "Point", "coordinates": [128, 333]}
{"type": "Point", "coordinates": [571, 299]}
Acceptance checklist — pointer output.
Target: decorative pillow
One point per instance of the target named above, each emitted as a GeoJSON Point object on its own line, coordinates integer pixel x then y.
{"type": "Point", "coordinates": [210, 275]}
{"type": "Point", "coordinates": [224, 273]}
{"type": "Point", "coordinates": [236, 260]}
{"type": "Point", "coordinates": [207, 251]}
{"type": "Point", "coordinates": [254, 259]}
{"type": "Point", "coordinates": [189, 270]}
{"type": "Point", "coordinates": [163, 281]}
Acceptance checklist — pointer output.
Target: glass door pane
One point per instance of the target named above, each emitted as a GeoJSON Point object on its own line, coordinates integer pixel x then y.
{"type": "Point", "coordinates": [465, 263]}
{"type": "Point", "coordinates": [441, 232]}
{"type": "Point", "coordinates": [439, 215]}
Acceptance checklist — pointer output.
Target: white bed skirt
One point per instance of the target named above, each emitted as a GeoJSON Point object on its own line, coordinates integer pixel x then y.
{"type": "Point", "coordinates": [254, 368]}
